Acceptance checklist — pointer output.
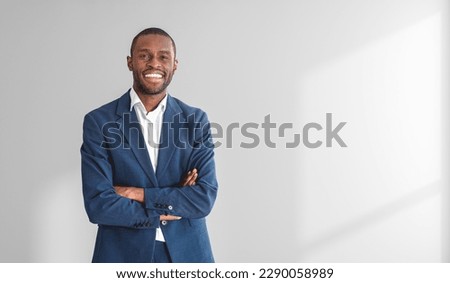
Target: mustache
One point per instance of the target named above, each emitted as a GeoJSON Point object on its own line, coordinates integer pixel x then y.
{"type": "Point", "coordinates": [154, 69]}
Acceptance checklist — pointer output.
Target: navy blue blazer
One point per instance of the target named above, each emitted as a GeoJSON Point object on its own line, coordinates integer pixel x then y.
{"type": "Point", "coordinates": [114, 153]}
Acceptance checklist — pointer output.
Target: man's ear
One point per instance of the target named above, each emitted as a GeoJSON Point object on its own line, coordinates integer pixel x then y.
{"type": "Point", "coordinates": [175, 65]}
{"type": "Point", "coordinates": [129, 63]}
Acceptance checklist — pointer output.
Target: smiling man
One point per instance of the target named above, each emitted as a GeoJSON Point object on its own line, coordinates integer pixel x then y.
{"type": "Point", "coordinates": [148, 168]}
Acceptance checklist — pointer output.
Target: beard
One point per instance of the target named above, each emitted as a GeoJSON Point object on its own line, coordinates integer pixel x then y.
{"type": "Point", "coordinates": [145, 90]}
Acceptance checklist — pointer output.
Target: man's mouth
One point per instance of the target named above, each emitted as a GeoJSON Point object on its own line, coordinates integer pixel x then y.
{"type": "Point", "coordinates": [154, 75]}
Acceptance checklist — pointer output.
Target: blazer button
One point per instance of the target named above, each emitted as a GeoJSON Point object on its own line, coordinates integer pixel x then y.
{"type": "Point", "coordinates": [170, 207]}
{"type": "Point", "coordinates": [164, 222]}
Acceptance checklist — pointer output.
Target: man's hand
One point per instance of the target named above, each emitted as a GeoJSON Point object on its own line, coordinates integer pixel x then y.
{"type": "Point", "coordinates": [169, 217]}
{"type": "Point", "coordinates": [189, 179]}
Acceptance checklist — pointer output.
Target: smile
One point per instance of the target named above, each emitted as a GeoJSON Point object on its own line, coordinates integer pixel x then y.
{"type": "Point", "coordinates": [154, 76]}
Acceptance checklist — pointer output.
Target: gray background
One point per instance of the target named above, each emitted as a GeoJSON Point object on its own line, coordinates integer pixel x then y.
{"type": "Point", "coordinates": [380, 66]}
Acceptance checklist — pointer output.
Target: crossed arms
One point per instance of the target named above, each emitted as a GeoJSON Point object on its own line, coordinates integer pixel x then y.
{"type": "Point", "coordinates": [137, 194]}
{"type": "Point", "coordinates": [108, 203]}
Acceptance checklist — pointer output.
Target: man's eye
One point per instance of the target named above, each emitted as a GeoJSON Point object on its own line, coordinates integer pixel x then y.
{"type": "Point", "coordinates": [164, 57]}
{"type": "Point", "coordinates": [144, 57]}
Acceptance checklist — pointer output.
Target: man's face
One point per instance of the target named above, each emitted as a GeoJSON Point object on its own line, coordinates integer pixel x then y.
{"type": "Point", "coordinates": [153, 64]}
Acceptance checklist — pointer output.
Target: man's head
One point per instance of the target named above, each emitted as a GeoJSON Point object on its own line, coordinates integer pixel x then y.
{"type": "Point", "coordinates": [152, 61]}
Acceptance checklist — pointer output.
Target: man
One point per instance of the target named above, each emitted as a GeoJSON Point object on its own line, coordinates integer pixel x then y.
{"type": "Point", "coordinates": [148, 168]}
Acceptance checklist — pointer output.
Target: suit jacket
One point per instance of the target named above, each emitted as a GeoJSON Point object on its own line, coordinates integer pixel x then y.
{"type": "Point", "coordinates": [114, 153]}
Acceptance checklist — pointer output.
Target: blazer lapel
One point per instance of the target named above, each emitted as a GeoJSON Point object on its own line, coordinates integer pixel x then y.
{"type": "Point", "coordinates": [131, 130]}
{"type": "Point", "coordinates": [169, 139]}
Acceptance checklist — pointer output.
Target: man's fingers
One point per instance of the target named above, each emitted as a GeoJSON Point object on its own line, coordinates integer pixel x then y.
{"type": "Point", "coordinates": [190, 178]}
{"type": "Point", "coordinates": [169, 217]}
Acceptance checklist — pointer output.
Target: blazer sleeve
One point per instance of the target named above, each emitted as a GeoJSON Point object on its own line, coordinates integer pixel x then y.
{"type": "Point", "coordinates": [190, 201]}
{"type": "Point", "coordinates": [102, 204]}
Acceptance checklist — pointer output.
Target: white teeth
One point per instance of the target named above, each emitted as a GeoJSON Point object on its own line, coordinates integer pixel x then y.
{"type": "Point", "coordinates": [157, 76]}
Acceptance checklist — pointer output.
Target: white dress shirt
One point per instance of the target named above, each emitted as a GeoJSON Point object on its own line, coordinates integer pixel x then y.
{"type": "Point", "coordinates": [151, 124]}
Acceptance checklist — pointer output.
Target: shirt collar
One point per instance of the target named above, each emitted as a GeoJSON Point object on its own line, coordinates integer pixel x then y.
{"type": "Point", "coordinates": [135, 100]}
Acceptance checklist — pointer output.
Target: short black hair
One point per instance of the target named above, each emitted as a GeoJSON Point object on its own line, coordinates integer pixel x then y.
{"type": "Point", "coordinates": [152, 30]}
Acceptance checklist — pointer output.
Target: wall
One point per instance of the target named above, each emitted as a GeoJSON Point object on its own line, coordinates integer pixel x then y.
{"type": "Point", "coordinates": [379, 66]}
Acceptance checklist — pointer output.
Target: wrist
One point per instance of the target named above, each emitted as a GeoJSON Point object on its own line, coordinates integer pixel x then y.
{"type": "Point", "coordinates": [134, 193]}
{"type": "Point", "coordinates": [138, 194]}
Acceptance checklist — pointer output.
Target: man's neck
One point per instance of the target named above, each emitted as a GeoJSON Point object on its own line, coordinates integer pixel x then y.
{"type": "Point", "coordinates": [151, 101]}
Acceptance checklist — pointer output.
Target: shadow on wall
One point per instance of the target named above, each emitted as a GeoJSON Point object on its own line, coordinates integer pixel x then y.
{"type": "Point", "coordinates": [352, 203]}
{"type": "Point", "coordinates": [61, 229]}
{"type": "Point", "coordinates": [283, 200]}
{"type": "Point", "coordinates": [405, 214]}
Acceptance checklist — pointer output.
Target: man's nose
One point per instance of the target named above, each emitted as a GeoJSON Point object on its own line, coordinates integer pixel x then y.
{"type": "Point", "coordinates": [153, 62]}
